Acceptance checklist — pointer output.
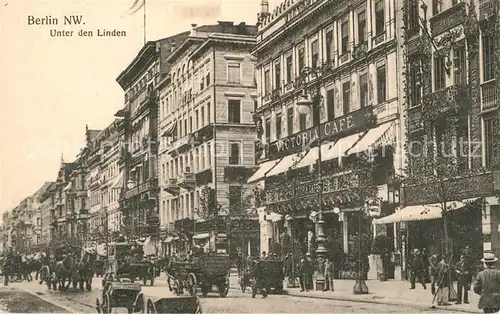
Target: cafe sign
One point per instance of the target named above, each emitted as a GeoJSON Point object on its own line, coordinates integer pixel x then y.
{"type": "Point", "coordinates": [333, 128]}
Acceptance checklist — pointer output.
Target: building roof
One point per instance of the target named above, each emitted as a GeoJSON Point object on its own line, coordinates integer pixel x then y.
{"type": "Point", "coordinates": [42, 190]}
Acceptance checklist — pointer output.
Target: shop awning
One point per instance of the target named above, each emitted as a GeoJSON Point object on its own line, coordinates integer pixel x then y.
{"type": "Point", "coordinates": [118, 183]}
{"type": "Point", "coordinates": [263, 170]}
{"type": "Point", "coordinates": [382, 134]}
{"type": "Point", "coordinates": [419, 212]}
{"type": "Point", "coordinates": [285, 164]}
{"type": "Point", "coordinates": [170, 129]}
{"type": "Point", "coordinates": [68, 187]}
{"type": "Point", "coordinates": [201, 236]}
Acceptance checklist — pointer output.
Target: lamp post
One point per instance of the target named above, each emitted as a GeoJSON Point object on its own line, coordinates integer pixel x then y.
{"type": "Point", "coordinates": [360, 286]}
{"type": "Point", "coordinates": [130, 186]}
{"type": "Point", "coordinates": [305, 105]}
{"type": "Point", "coordinates": [292, 283]}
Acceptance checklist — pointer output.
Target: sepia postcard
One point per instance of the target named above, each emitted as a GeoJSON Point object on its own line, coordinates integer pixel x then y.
{"type": "Point", "coordinates": [250, 156]}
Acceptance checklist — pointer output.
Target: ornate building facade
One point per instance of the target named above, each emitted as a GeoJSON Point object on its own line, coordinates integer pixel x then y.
{"type": "Point", "coordinates": [207, 135]}
{"type": "Point", "coordinates": [344, 58]}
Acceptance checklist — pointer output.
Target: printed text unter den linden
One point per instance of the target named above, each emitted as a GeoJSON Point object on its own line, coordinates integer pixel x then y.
{"type": "Point", "coordinates": [72, 20]}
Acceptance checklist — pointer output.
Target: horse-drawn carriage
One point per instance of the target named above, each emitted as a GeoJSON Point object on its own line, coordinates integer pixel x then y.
{"type": "Point", "coordinates": [125, 294]}
{"type": "Point", "coordinates": [121, 263]}
{"type": "Point", "coordinates": [265, 276]}
{"type": "Point", "coordinates": [204, 272]}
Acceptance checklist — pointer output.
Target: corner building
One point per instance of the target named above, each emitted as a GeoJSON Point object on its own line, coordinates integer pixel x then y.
{"type": "Point", "coordinates": [207, 138]}
{"type": "Point", "coordinates": [352, 47]}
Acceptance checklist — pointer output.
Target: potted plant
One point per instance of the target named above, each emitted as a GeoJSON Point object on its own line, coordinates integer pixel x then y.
{"type": "Point", "coordinates": [381, 246]}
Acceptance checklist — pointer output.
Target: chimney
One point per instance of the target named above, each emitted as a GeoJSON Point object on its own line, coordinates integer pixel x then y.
{"type": "Point", "coordinates": [264, 9]}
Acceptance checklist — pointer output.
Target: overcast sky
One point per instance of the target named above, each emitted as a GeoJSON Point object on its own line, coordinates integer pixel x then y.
{"type": "Point", "coordinates": [51, 87]}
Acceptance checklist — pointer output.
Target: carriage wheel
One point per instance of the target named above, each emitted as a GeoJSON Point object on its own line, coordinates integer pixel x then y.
{"type": "Point", "coordinates": [191, 284]}
{"type": "Point", "coordinates": [224, 288]}
{"type": "Point", "coordinates": [177, 287]}
{"type": "Point", "coordinates": [106, 306]}
{"type": "Point", "coordinates": [150, 307]}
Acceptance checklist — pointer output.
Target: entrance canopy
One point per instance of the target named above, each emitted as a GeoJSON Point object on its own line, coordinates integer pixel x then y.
{"type": "Point", "coordinates": [419, 212]}
{"type": "Point", "coordinates": [263, 170]}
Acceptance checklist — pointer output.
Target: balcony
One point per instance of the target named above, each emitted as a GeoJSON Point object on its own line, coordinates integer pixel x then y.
{"type": "Point", "coordinates": [489, 97]}
{"type": "Point", "coordinates": [486, 9]}
{"type": "Point", "coordinates": [81, 193]}
{"type": "Point", "coordinates": [448, 19]}
{"type": "Point", "coordinates": [446, 100]}
{"type": "Point", "coordinates": [180, 146]}
{"type": "Point", "coordinates": [187, 180]}
{"type": "Point", "coordinates": [172, 187]}
{"type": "Point", "coordinates": [360, 50]}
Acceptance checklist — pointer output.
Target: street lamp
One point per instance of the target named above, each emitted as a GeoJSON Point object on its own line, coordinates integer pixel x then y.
{"type": "Point", "coordinates": [305, 104]}
{"type": "Point", "coordinates": [360, 286]}
{"type": "Point", "coordinates": [292, 283]}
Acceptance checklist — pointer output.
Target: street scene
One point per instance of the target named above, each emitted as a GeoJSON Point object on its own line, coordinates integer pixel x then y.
{"type": "Point", "coordinates": [320, 157]}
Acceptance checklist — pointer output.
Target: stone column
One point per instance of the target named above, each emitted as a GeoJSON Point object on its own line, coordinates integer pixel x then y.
{"type": "Point", "coordinates": [345, 232]}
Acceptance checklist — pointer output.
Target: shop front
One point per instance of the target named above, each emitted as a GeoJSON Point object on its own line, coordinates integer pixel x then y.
{"type": "Point", "coordinates": [472, 220]}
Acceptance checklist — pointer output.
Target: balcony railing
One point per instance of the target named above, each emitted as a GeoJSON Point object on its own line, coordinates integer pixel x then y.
{"type": "Point", "coordinates": [489, 96]}
{"type": "Point", "coordinates": [446, 99]}
{"type": "Point", "coordinates": [415, 118]}
{"type": "Point", "coordinates": [448, 19]}
{"type": "Point", "coordinates": [187, 180]}
{"type": "Point", "coordinates": [486, 9]}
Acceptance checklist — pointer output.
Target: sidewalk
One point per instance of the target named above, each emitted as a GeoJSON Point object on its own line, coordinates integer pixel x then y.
{"type": "Point", "coordinates": [389, 292]}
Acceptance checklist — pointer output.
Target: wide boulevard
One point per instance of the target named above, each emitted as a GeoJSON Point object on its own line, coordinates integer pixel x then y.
{"type": "Point", "coordinates": [32, 297]}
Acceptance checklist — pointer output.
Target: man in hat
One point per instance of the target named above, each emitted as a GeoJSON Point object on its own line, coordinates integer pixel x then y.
{"type": "Point", "coordinates": [488, 285]}
{"type": "Point", "coordinates": [306, 271]}
{"type": "Point", "coordinates": [417, 269]}
{"type": "Point", "coordinates": [463, 272]}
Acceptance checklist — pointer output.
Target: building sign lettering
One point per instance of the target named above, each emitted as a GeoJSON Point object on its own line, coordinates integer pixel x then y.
{"type": "Point", "coordinates": [335, 127]}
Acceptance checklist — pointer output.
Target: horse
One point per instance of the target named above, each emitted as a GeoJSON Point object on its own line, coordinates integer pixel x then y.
{"type": "Point", "coordinates": [63, 270]}
{"type": "Point", "coordinates": [86, 269]}
{"type": "Point", "coordinates": [48, 276]}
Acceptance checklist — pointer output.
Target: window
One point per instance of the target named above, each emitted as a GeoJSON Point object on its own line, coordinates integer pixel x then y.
{"type": "Point", "coordinates": [302, 122]}
{"type": "Point", "coordinates": [314, 54]}
{"type": "Point", "coordinates": [267, 81]}
{"type": "Point", "coordinates": [235, 198]}
{"type": "Point", "coordinates": [329, 46]}
{"type": "Point", "coordinates": [490, 131]}
{"type": "Point", "coordinates": [346, 96]}
{"type": "Point", "coordinates": [268, 130]}
{"type": "Point", "coordinates": [233, 73]}
{"type": "Point", "coordinates": [180, 128]}
{"type": "Point", "coordinates": [278, 125]}
{"type": "Point", "coordinates": [345, 36]}
{"type": "Point", "coordinates": [185, 125]}
{"type": "Point", "coordinates": [234, 153]}
{"type": "Point", "coordinates": [289, 69]}
{"type": "Point", "coordinates": [208, 78]}
{"type": "Point", "coordinates": [277, 74]}
{"type": "Point", "coordinates": [413, 14]}
{"type": "Point", "coordinates": [363, 90]}
{"type": "Point", "coordinates": [462, 132]}
{"type": "Point", "coordinates": [381, 84]}
{"type": "Point", "coordinates": [379, 17]}
{"type": "Point", "coordinates": [202, 84]}
{"type": "Point", "coordinates": [488, 58]}
{"type": "Point", "coordinates": [202, 111]}
{"type": "Point", "coordinates": [460, 66]}
{"type": "Point", "coordinates": [234, 111]}
{"type": "Point", "coordinates": [415, 85]}
{"type": "Point", "coordinates": [361, 27]}
{"type": "Point", "coordinates": [209, 116]}
{"type": "Point", "coordinates": [190, 124]}
{"type": "Point", "coordinates": [197, 119]}
{"type": "Point", "coordinates": [289, 121]}
{"type": "Point", "coordinates": [209, 155]}
{"type": "Point", "coordinates": [439, 72]}
{"type": "Point", "coordinates": [301, 59]}
{"type": "Point", "coordinates": [330, 104]}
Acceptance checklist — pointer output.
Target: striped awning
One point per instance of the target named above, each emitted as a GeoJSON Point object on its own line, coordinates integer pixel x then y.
{"type": "Point", "coordinates": [169, 131]}
{"type": "Point", "coordinates": [420, 212]}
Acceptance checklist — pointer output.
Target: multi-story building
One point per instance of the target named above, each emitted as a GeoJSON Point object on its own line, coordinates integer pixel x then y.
{"type": "Point", "coordinates": [60, 228]}
{"type": "Point", "coordinates": [347, 51]}
{"type": "Point", "coordinates": [38, 209]}
{"type": "Point", "coordinates": [6, 230]}
{"type": "Point", "coordinates": [47, 202]}
{"type": "Point", "coordinates": [452, 73]}
{"type": "Point", "coordinates": [138, 158]}
{"type": "Point", "coordinates": [207, 132]}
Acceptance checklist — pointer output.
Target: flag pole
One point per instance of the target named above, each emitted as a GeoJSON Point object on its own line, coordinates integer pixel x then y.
{"type": "Point", "coordinates": [144, 21]}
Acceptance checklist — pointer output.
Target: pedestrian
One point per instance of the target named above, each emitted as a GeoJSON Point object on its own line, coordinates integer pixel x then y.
{"type": "Point", "coordinates": [433, 264]}
{"type": "Point", "coordinates": [463, 273]}
{"type": "Point", "coordinates": [305, 272]}
{"type": "Point", "coordinates": [329, 274]}
{"type": "Point", "coordinates": [417, 269]}
{"type": "Point", "coordinates": [264, 255]}
{"type": "Point", "coordinates": [488, 285]}
{"type": "Point", "coordinates": [443, 291]}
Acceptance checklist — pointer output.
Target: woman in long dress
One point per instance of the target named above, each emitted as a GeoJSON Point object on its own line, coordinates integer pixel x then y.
{"type": "Point", "coordinates": [443, 282]}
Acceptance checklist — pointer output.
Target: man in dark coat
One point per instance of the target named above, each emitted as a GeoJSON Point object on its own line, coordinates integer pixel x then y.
{"type": "Point", "coordinates": [306, 271]}
{"type": "Point", "coordinates": [417, 269]}
{"type": "Point", "coordinates": [488, 285]}
{"type": "Point", "coordinates": [433, 264]}
{"type": "Point", "coordinates": [463, 273]}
